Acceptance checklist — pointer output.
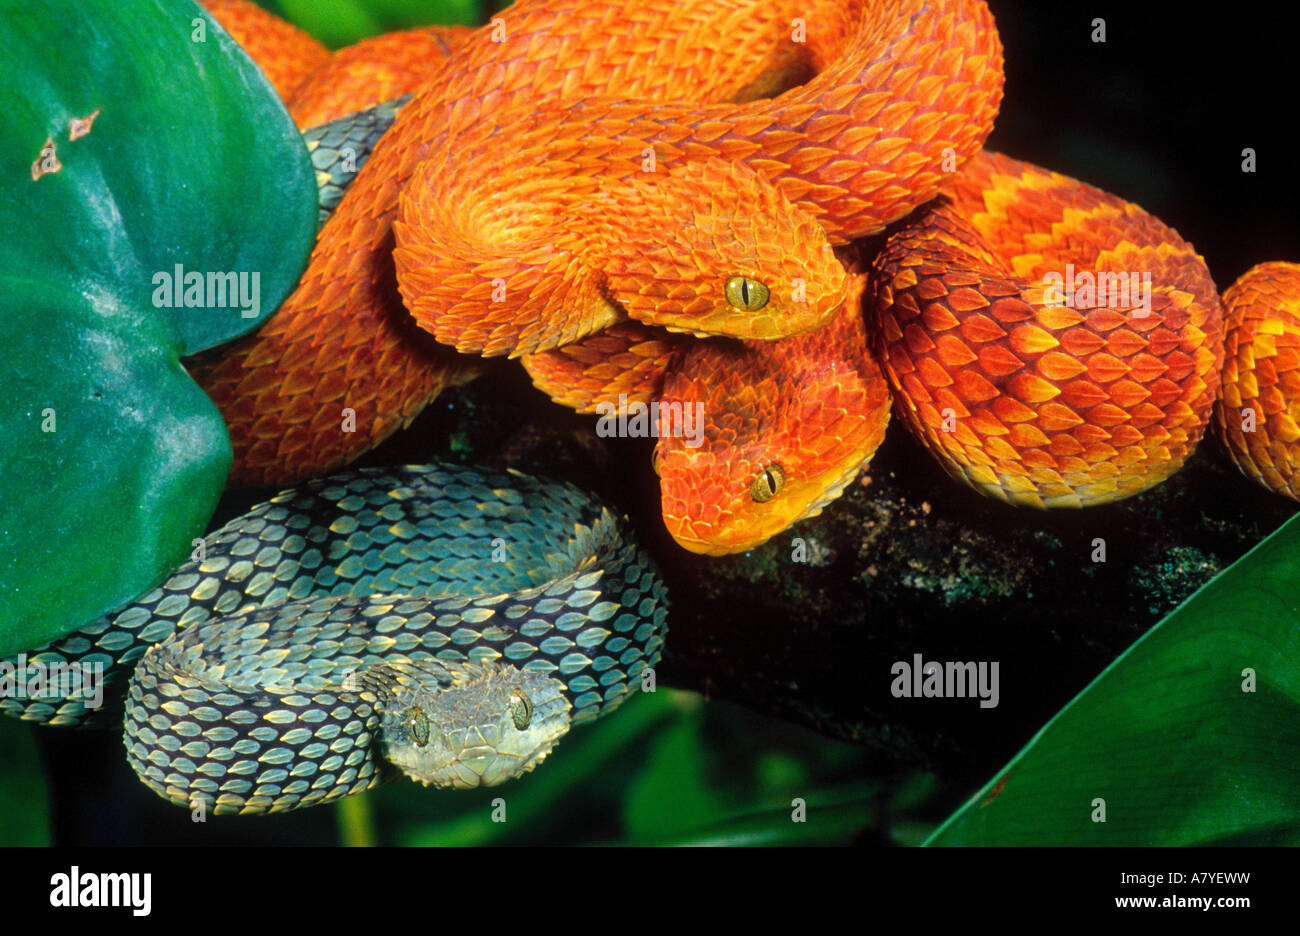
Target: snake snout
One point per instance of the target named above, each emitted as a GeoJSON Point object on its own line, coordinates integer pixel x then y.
{"type": "Point", "coordinates": [492, 723]}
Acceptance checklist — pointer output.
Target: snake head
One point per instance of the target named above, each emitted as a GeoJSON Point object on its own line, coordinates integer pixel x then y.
{"type": "Point", "coordinates": [479, 725]}
{"type": "Point", "coordinates": [786, 427]}
{"type": "Point", "coordinates": [714, 248]}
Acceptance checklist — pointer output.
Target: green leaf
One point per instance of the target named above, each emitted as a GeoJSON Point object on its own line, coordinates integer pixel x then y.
{"type": "Point", "coordinates": [336, 24]}
{"type": "Point", "coordinates": [406, 14]}
{"type": "Point", "coordinates": [116, 458]}
{"type": "Point", "coordinates": [24, 797]}
{"type": "Point", "coordinates": [827, 818]}
{"type": "Point", "coordinates": [1167, 736]}
{"type": "Point", "coordinates": [191, 160]}
{"type": "Point", "coordinates": [672, 794]}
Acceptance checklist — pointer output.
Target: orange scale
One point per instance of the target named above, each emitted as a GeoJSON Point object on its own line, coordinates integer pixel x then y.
{"type": "Point", "coordinates": [1265, 372]}
{"type": "Point", "coordinates": [1147, 367]}
{"type": "Point", "coordinates": [1272, 401]}
{"type": "Point", "coordinates": [1127, 393]}
{"type": "Point", "coordinates": [1081, 342]}
{"type": "Point", "coordinates": [998, 361]}
{"type": "Point", "coordinates": [980, 328]}
{"type": "Point", "coordinates": [986, 424]}
{"type": "Point", "coordinates": [1129, 457]}
{"type": "Point", "coordinates": [937, 318]}
{"type": "Point", "coordinates": [1107, 415]}
{"type": "Point", "coordinates": [1002, 289]}
{"type": "Point", "coordinates": [932, 373]}
{"type": "Point", "coordinates": [1163, 392]}
{"type": "Point", "coordinates": [1089, 434]}
{"type": "Point", "coordinates": [967, 453]}
{"type": "Point", "coordinates": [1098, 454]}
{"type": "Point", "coordinates": [1058, 318]}
{"type": "Point", "coordinates": [1142, 320]}
{"type": "Point", "coordinates": [1064, 446]}
{"type": "Point", "coordinates": [917, 339]}
{"type": "Point", "coordinates": [1155, 435]}
{"type": "Point", "coordinates": [1055, 417]}
{"type": "Point", "coordinates": [889, 329]}
{"type": "Point", "coordinates": [1105, 320]}
{"type": "Point", "coordinates": [1002, 450]}
{"type": "Point", "coordinates": [1163, 341]}
{"type": "Point", "coordinates": [964, 436]}
{"type": "Point", "coordinates": [1126, 435]}
{"type": "Point", "coordinates": [1081, 394]}
{"type": "Point", "coordinates": [1105, 368]}
{"type": "Point", "coordinates": [1011, 310]}
{"type": "Point", "coordinates": [1075, 469]}
{"type": "Point", "coordinates": [966, 299]}
{"type": "Point", "coordinates": [957, 279]}
{"type": "Point", "coordinates": [1058, 367]}
{"type": "Point", "coordinates": [925, 413]}
{"type": "Point", "coordinates": [1041, 463]}
{"type": "Point", "coordinates": [1031, 389]}
{"type": "Point", "coordinates": [954, 352]}
{"type": "Point", "coordinates": [915, 390]}
{"type": "Point", "coordinates": [1125, 343]}
{"type": "Point", "coordinates": [945, 399]}
{"type": "Point", "coordinates": [1027, 436]}
{"type": "Point", "coordinates": [1009, 409]}
{"type": "Point", "coordinates": [1180, 365]}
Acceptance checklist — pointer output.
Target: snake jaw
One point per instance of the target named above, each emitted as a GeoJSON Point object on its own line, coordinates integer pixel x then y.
{"type": "Point", "coordinates": [469, 731]}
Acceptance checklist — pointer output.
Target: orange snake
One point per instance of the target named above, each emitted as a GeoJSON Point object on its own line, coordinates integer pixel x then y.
{"type": "Point", "coordinates": [553, 113]}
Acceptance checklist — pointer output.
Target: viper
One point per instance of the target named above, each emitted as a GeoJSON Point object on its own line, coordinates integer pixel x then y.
{"type": "Point", "coordinates": [574, 167]}
{"type": "Point", "coordinates": [1026, 401]}
{"type": "Point", "coordinates": [446, 623]}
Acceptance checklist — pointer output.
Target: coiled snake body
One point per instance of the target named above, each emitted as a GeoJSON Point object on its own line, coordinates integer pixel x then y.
{"type": "Point", "coordinates": [1032, 401]}
{"type": "Point", "coordinates": [447, 621]}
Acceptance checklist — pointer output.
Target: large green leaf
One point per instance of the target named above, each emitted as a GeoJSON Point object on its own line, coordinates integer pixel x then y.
{"type": "Point", "coordinates": [1170, 736]}
{"type": "Point", "coordinates": [135, 138]}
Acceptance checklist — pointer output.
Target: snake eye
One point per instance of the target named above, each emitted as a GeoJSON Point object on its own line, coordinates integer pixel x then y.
{"type": "Point", "coordinates": [521, 709]}
{"type": "Point", "coordinates": [654, 459]}
{"type": "Point", "coordinates": [768, 483]}
{"type": "Point", "coordinates": [745, 293]}
{"type": "Point", "coordinates": [418, 723]}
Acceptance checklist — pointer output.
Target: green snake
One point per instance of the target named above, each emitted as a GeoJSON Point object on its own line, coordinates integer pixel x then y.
{"type": "Point", "coordinates": [444, 622]}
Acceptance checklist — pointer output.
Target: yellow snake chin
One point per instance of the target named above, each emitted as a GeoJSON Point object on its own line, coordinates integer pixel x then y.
{"type": "Point", "coordinates": [495, 722]}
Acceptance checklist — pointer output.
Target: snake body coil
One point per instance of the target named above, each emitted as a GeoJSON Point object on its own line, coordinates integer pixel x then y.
{"type": "Point", "coordinates": [448, 621]}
